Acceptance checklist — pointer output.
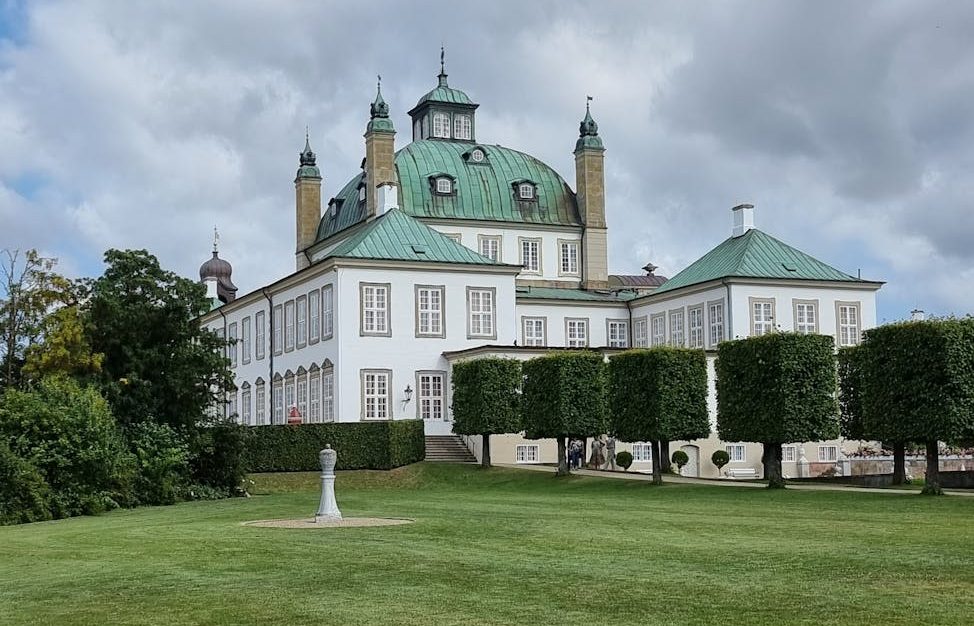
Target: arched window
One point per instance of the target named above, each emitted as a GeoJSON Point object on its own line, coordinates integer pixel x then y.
{"type": "Point", "coordinates": [441, 125]}
{"type": "Point", "coordinates": [444, 185]}
{"type": "Point", "coordinates": [525, 191]}
{"type": "Point", "coordinates": [461, 127]}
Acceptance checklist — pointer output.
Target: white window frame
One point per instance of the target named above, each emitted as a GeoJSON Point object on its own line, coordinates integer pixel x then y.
{"type": "Point", "coordinates": [376, 394]}
{"type": "Point", "coordinates": [441, 125]}
{"type": "Point", "coordinates": [245, 410]}
{"type": "Point", "coordinates": [289, 326]}
{"type": "Point", "coordinates": [642, 452]}
{"type": "Point", "coordinates": [478, 156]}
{"type": "Point", "coordinates": [232, 343]}
{"type": "Point", "coordinates": [260, 335]}
{"type": "Point", "coordinates": [805, 316]}
{"type": "Point", "coordinates": [695, 337]}
{"type": "Point", "coordinates": [290, 397]}
{"type": "Point", "coordinates": [530, 255]}
{"type": "Point", "coordinates": [657, 326]}
{"type": "Point", "coordinates": [328, 395]}
{"type": "Point", "coordinates": [737, 452]}
{"type": "Point", "coordinates": [232, 412]}
{"type": "Point", "coordinates": [617, 333]}
{"type": "Point", "coordinates": [245, 340]}
{"type": "Point", "coordinates": [444, 186]}
{"type": "Point", "coordinates": [846, 333]}
{"type": "Point", "coordinates": [302, 395]}
{"type": "Point", "coordinates": [431, 395]}
{"type": "Point", "coordinates": [678, 322]}
{"type": "Point", "coordinates": [568, 253]}
{"type": "Point", "coordinates": [374, 304]}
{"type": "Point", "coordinates": [277, 391]}
{"type": "Point", "coordinates": [430, 310]}
{"type": "Point", "coordinates": [789, 454]}
{"type": "Point", "coordinates": [534, 331]}
{"type": "Point", "coordinates": [715, 322]}
{"type": "Point", "coordinates": [277, 330]}
{"type": "Point", "coordinates": [490, 246]}
{"type": "Point", "coordinates": [314, 316]}
{"type": "Point", "coordinates": [527, 453]}
{"type": "Point", "coordinates": [576, 332]}
{"type": "Point", "coordinates": [462, 127]}
{"type": "Point", "coordinates": [828, 453]}
{"type": "Point", "coordinates": [314, 396]}
{"type": "Point", "coordinates": [327, 312]}
{"type": "Point", "coordinates": [481, 313]}
{"type": "Point", "coordinates": [260, 404]}
{"type": "Point", "coordinates": [301, 326]}
{"type": "Point", "coordinates": [762, 316]}
{"type": "Point", "coordinates": [640, 332]}
{"type": "Point", "coordinates": [526, 191]}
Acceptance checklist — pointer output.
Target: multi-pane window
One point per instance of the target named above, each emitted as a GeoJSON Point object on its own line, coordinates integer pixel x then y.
{"type": "Point", "coordinates": [828, 454]}
{"type": "Point", "coordinates": [232, 405]}
{"type": "Point", "coordinates": [327, 312]}
{"type": "Point", "coordinates": [302, 306]}
{"type": "Point", "coordinates": [444, 185]}
{"type": "Point", "coordinates": [303, 395]}
{"type": "Point", "coordinates": [527, 453]}
{"type": "Point", "coordinates": [429, 311]}
{"type": "Point", "coordinates": [569, 257]}
{"type": "Point", "coordinates": [328, 396]}
{"type": "Point", "coordinates": [534, 331]}
{"type": "Point", "coordinates": [314, 316]}
{"type": "Point", "coordinates": [245, 340]}
{"type": "Point", "coordinates": [640, 332]}
{"type": "Point", "coordinates": [260, 401]}
{"type": "Point", "coordinates": [716, 312]}
{"type": "Point", "coordinates": [490, 247]}
{"type": "Point", "coordinates": [289, 326]}
{"type": "Point", "coordinates": [618, 333]}
{"type": "Point", "coordinates": [375, 395]}
{"type": "Point", "coordinates": [314, 397]}
{"type": "Point", "coordinates": [480, 308]}
{"type": "Point", "coordinates": [576, 333]}
{"type": "Point", "coordinates": [737, 452]}
{"type": "Point", "coordinates": [259, 335]}
{"type": "Point", "coordinates": [477, 156]}
{"type": "Point", "coordinates": [441, 125]}
{"type": "Point", "coordinates": [695, 327]}
{"type": "Point", "coordinates": [277, 393]}
{"type": "Point", "coordinates": [232, 337]}
{"type": "Point", "coordinates": [525, 191]}
{"type": "Point", "coordinates": [642, 452]}
{"type": "Point", "coordinates": [848, 324]}
{"type": "Point", "coordinates": [531, 255]}
{"type": "Point", "coordinates": [788, 454]}
{"type": "Point", "coordinates": [289, 402]}
{"type": "Point", "coordinates": [762, 317]}
{"type": "Point", "coordinates": [375, 309]}
{"type": "Point", "coordinates": [431, 397]}
{"type": "Point", "coordinates": [677, 337]}
{"type": "Point", "coordinates": [806, 318]}
{"type": "Point", "coordinates": [245, 414]}
{"type": "Point", "coordinates": [461, 127]}
{"type": "Point", "coordinates": [658, 323]}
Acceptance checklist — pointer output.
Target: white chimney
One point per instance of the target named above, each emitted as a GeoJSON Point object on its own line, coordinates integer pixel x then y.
{"type": "Point", "coordinates": [917, 315]}
{"type": "Point", "coordinates": [743, 219]}
{"type": "Point", "coordinates": [388, 198]}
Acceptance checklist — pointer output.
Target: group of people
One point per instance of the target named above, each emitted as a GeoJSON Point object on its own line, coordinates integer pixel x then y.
{"type": "Point", "coordinates": [603, 454]}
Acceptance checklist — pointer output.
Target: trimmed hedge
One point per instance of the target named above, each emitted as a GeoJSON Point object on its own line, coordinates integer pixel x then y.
{"type": "Point", "coordinates": [487, 399]}
{"type": "Point", "coordinates": [360, 445]}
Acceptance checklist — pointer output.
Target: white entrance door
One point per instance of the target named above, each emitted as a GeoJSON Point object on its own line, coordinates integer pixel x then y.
{"type": "Point", "coordinates": [692, 468]}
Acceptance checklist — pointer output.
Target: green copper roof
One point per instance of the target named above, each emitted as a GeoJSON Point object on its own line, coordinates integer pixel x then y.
{"type": "Point", "coordinates": [483, 190]}
{"type": "Point", "coordinates": [396, 236]}
{"type": "Point", "coordinates": [754, 255]}
{"type": "Point", "coordinates": [577, 295]}
{"type": "Point", "coordinates": [445, 94]}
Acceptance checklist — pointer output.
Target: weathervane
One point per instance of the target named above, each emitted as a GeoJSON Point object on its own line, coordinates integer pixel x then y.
{"type": "Point", "coordinates": [216, 240]}
{"type": "Point", "coordinates": [442, 59]}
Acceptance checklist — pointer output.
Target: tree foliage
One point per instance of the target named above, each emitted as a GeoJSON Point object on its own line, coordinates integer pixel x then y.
{"type": "Point", "coordinates": [24, 496]}
{"type": "Point", "coordinates": [774, 389]}
{"type": "Point", "coordinates": [564, 396]}
{"type": "Point", "coordinates": [486, 399]}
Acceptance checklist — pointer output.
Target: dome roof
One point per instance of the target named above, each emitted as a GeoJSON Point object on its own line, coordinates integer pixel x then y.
{"type": "Point", "coordinates": [483, 190]}
{"type": "Point", "coordinates": [217, 268]}
{"type": "Point", "coordinates": [445, 93]}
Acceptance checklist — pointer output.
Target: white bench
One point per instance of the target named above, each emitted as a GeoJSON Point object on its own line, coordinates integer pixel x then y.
{"type": "Point", "coordinates": [741, 472]}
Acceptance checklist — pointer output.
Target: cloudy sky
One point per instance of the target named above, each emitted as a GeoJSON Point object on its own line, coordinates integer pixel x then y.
{"type": "Point", "coordinates": [850, 126]}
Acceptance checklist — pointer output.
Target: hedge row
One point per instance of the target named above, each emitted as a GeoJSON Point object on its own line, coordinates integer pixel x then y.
{"type": "Point", "coordinates": [360, 445]}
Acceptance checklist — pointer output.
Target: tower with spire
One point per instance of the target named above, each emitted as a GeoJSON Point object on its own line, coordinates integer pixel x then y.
{"type": "Point", "coordinates": [444, 113]}
{"type": "Point", "coordinates": [307, 203]}
{"type": "Point", "coordinates": [380, 151]}
{"type": "Point", "coordinates": [590, 193]}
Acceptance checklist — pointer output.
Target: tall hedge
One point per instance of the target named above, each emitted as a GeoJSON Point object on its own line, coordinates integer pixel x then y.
{"type": "Point", "coordinates": [486, 399]}
{"type": "Point", "coordinates": [360, 445]}
{"type": "Point", "coordinates": [775, 389]}
{"type": "Point", "coordinates": [658, 395]}
{"type": "Point", "coordinates": [564, 396]}
{"type": "Point", "coordinates": [918, 384]}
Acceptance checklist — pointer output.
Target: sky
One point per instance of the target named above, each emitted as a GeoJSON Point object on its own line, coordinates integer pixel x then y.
{"type": "Point", "coordinates": [849, 125]}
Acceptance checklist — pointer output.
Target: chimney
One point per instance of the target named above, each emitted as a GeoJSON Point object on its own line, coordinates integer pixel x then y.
{"type": "Point", "coordinates": [387, 198]}
{"type": "Point", "coordinates": [743, 219]}
{"type": "Point", "coordinates": [917, 315]}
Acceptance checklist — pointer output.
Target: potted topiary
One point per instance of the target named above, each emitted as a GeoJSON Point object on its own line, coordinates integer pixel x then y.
{"type": "Point", "coordinates": [720, 458]}
{"type": "Point", "coordinates": [624, 460]}
{"type": "Point", "coordinates": [680, 459]}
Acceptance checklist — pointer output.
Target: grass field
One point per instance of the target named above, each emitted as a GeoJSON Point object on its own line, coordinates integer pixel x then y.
{"type": "Point", "coordinates": [503, 547]}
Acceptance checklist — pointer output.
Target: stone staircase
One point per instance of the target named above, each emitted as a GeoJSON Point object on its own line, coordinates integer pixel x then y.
{"type": "Point", "coordinates": [447, 449]}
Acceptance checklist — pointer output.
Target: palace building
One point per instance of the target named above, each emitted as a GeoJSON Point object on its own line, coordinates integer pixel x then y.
{"type": "Point", "coordinates": [450, 248]}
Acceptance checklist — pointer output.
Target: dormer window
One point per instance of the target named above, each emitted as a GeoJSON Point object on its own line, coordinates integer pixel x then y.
{"type": "Point", "coordinates": [477, 155]}
{"type": "Point", "coordinates": [525, 191]}
{"type": "Point", "coordinates": [444, 186]}
{"type": "Point", "coordinates": [461, 127]}
{"type": "Point", "coordinates": [441, 125]}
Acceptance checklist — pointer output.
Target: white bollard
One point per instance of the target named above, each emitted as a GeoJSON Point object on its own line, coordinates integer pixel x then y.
{"type": "Point", "coordinates": [328, 509]}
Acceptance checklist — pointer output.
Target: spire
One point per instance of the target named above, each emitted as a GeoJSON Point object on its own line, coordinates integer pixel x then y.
{"type": "Point", "coordinates": [442, 74]}
{"type": "Point", "coordinates": [307, 156]}
{"type": "Point", "coordinates": [216, 241]}
{"type": "Point", "coordinates": [379, 107]}
{"type": "Point", "coordinates": [588, 130]}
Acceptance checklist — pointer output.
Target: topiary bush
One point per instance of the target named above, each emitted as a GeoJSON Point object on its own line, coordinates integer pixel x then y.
{"type": "Point", "coordinates": [486, 399]}
{"type": "Point", "coordinates": [24, 496]}
{"type": "Point", "coordinates": [680, 459]}
{"type": "Point", "coordinates": [624, 460]}
{"type": "Point", "coordinates": [360, 445]}
{"type": "Point", "coordinates": [720, 458]}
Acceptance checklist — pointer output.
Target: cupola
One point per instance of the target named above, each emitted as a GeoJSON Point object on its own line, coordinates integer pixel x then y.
{"type": "Point", "coordinates": [215, 274]}
{"type": "Point", "coordinates": [444, 113]}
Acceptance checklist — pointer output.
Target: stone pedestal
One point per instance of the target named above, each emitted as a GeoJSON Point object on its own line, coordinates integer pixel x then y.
{"type": "Point", "coordinates": [328, 509]}
{"type": "Point", "coordinates": [803, 465]}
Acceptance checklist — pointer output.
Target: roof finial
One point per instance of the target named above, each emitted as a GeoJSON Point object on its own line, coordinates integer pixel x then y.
{"type": "Point", "coordinates": [588, 99]}
{"type": "Point", "coordinates": [442, 75]}
{"type": "Point", "coordinates": [378, 83]}
{"type": "Point", "coordinates": [588, 127]}
{"type": "Point", "coordinates": [216, 240]}
{"type": "Point", "coordinates": [379, 107]}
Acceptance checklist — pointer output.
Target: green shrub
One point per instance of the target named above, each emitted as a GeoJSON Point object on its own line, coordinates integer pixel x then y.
{"type": "Point", "coordinates": [161, 456]}
{"type": "Point", "coordinates": [68, 433]}
{"type": "Point", "coordinates": [217, 458]}
{"type": "Point", "coordinates": [24, 496]}
{"type": "Point", "coordinates": [360, 445]}
{"type": "Point", "coordinates": [720, 458]}
{"type": "Point", "coordinates": [624, 459]}
{"type": "Point", "coordinates": [486, 399]}
{"type": "Point", "coordinates": [680, 458]}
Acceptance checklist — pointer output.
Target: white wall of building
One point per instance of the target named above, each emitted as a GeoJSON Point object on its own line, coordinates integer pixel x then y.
{"type": "Point", "coordinates": [650, 307]}
{"type": "Point", "coordinates": [556, 314]}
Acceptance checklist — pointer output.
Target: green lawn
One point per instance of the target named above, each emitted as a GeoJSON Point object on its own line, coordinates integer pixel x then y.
{"type": "Point", "coordinates": [503, 547]}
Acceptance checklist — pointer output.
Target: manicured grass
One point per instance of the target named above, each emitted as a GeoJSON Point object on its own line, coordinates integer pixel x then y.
{"type": "Point", "coordinates": [503, 547]}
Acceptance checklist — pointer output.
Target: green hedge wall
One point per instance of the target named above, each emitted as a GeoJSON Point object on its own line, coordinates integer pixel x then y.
{"type": "Point", "coordinates": [360, 445]}
{"type": "Point", "coordinates": [564, 395]}
{"type": "Point", "coordinates": [486, 396]}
